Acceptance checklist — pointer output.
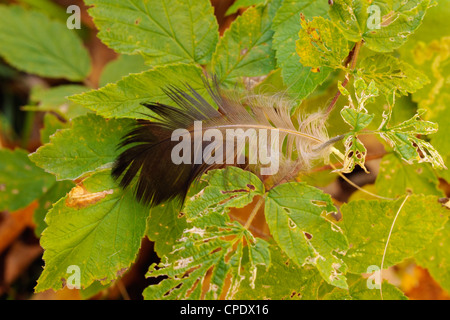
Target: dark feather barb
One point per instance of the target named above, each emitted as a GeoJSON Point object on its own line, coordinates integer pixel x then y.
{"type": "Point", "coordinates": [148, 147]}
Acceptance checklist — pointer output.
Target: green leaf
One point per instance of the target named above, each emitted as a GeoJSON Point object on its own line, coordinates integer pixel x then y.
{"type": "Point", "coordinates": [397, 178]}
{"type": "Point", "coordinates": [48, 7]}
{"type": "Point", "coordinates": [245, 50]}
{"type": "Point", "coordinates": [89, 144]}
{"type": "Point", "coordinates": [391, 75]}
{"type": "Point", "coordinates": [33, 43]}
{"type": "Point", "coordinates": [300, 80]}
{"type": "Point", "coordinates": [55, 100]}
{"type": "Point", "coordinates": [365, 93]}
{"type": "Point", "coordinates": [58, 190]}
{"type": "Point", "coordinates": [51, 125]}
{"type": "Point", "coordinates": [283, 280]}
{"type": "Point", "coordinates": [215, 250]}
{"type": "Point", "coordinates": [402, 138]}
{"type": "Point", "coordinates": [397, 20]}
{"type": "Point", "coordinates": [122, 66]}
{"type": "Point", "coordinates": [299, 221]}
{"type": "Point", "coordinates": [358, 289]}
{"type": "Point", "coordinates": [164, 226]}
{"type": "Point", "coordinates": [164, 31]}
{"type": "Point", "coordinates": [367, 225]}
{"type": "Point", "coordinates": [321, 44]}
{"type": "Point", "coordinates": [21, 181]}
{"type": "Point", "coordinates": [124, 98]}
{"type": "Point", "coordinates": [435, 257]}
{"type": "Point", "coordinates": [94, 289]}
{"type": "Point", "coordinates": [356, 120]}
{"type": "Point", "coordinates": [97, 227]}
{"type": "Point", "coordinates": [238, 4]}
{"type": "Point", "coordinates": [227, 188]}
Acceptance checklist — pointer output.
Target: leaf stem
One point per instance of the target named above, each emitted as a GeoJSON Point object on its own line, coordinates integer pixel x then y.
{"type": "Point", "coordinates": [353, 57]}
{"type": "Point", "coordinates": [254, 212]}
{"type": "Point", "coordinates": [387, 243]}
{"type": "Point", "coordinates": [350, 182]}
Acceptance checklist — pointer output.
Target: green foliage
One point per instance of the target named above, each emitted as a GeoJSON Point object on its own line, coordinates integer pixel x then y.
{"type": "Point", "coordinates": [399, 177]}
{"type": "Point", "coordinates": [282, 280]}
{"type": "Point", "coordinates": [300, 79]}
{"type": "Point", "coordinates": [152, 28]}
{"type": "Point", "coordinates": [245, 49]}
{"type": "Point", "coordinates": [238, 4]}
{"type": "Point", "coordinates": [36, 44]}
{"type": "Point", "coordinates": [398, 19]}
{"type": "Point", "coordinates": [124, 98]}
{"type": "Point", "coordinates": [122, 66]}
{"type": "Point", "coordinates": [391, 75]}
{"type": "Point", "coordinates": [21, 181]}
{"type": "Point", "coordinates": [97, 226]}
{"type": "Point", "coordinates": [358, 290]}
{"type": "Point", "coordinates": [208, 245]}
{"type": "Point", "coordinates": [299, 219]}
{"type": "Point", "coordinates": [229, 188]}
{"type": "Point", "coordinates": [358, 119]}
{"type": "Point", "coordinates": [165, 225]}
{"type": "Point", "coordinates": [435, 257]}
{"type": "Point", "coordinates": [55, 100]}
{"type": "Point", "coordinates": [403, 138]}
{"type": "Point", "coordinates": [88, 145]}
{"type": "Point", "coordinates": [321, 44]}
{"type": "Point", "coordinates": [367, 225]}
{"type": "Point", "coordinates": [203, 250]}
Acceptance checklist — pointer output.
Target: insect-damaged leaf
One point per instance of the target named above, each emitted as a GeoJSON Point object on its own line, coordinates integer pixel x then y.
{"type": "Point", "coordinates": [300, 80]}
{"type": "Point", "coordinates": [358, 119]}
{"type": "Point", "coordinates": [284, 280]}
{"type": "Point", "coordinates": [321, 44]}
{"type": "Point", "coordinates": [164, 226]}
{"type": "Point", "coordinates": [403, 138]}
{"type": "Point", "coordinates": [218, 250]}
{"type": "Point", "coordinates": [298, 219]}
{"type": "Point", "coordinates": [384, 25]}
{"type": "Point", "coordinates": [97, 227]}
{"type": "Point", "coordinates": [391, 75]}
{"type": "Point", "coordinates": [355, 154]}
{"type": "Point", "coordinates": [227, 188]}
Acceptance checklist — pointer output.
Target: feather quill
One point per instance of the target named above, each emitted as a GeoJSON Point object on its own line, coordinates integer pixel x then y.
{"type": "Point", "coordinates": [148, 147]}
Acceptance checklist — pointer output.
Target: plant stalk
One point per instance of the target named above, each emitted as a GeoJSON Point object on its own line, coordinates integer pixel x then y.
{"type": "Point", "coordinates": [353, 57]}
